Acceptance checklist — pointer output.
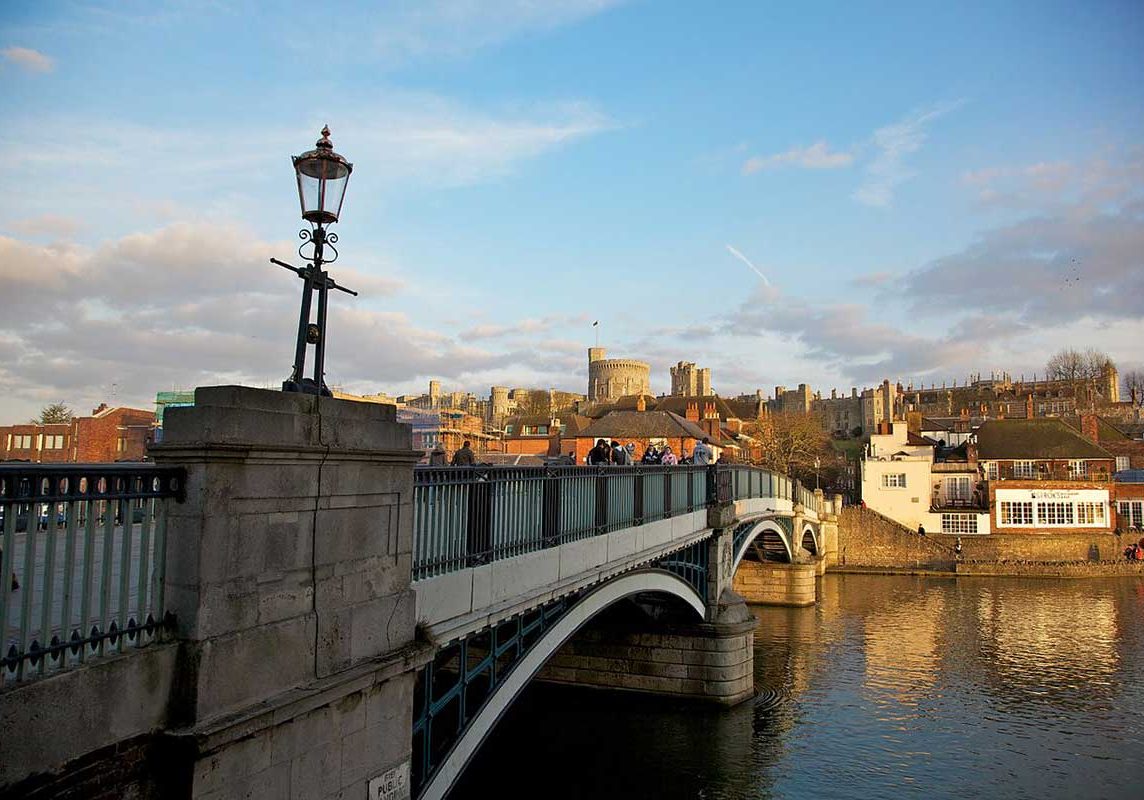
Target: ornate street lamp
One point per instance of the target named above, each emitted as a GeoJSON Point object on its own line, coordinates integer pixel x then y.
{"type": "Point", "coordinates": [322, 177]}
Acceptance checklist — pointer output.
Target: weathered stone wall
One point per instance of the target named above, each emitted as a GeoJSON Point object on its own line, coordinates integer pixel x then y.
{"type": "Point", "coordinates": [774, 584]}
{"type": "Point", "coordinates": [1040, 547]}
{"type": "Point", "coordinates": [1052, 569]}
{"type": "Point", "coordinates": [50, 723]}
{"type": "Point", "coordinates": [712, 663]}
{"type": "Point", "coordinates": [331, 750]}
{"type": "Point", "coordinates": [868, 539]}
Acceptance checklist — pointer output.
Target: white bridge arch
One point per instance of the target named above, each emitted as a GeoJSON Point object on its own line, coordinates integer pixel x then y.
{"type": "Point", "coordinates": [595, 601]}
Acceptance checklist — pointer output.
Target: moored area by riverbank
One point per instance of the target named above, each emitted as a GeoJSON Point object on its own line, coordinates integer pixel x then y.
{"type": "Point", "coordinates": [1010, 569]}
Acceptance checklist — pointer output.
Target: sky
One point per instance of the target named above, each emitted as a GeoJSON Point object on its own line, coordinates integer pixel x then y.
{"type": "Point", "coordinates": [829, 193]}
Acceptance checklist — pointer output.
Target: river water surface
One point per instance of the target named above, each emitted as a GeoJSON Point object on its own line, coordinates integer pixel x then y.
{"type": "Point", "coordinates": [891, 686]}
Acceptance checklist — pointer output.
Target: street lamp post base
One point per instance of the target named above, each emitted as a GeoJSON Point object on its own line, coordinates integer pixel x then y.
{"type": "Point", "coordinates": [306, 386]}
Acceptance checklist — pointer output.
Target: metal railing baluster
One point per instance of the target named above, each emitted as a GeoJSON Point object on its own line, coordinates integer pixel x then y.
{"type": "Point", "coordinates": [72, 511]}
{"type": "Point", "coordinates": [125, 537]}
{"type": "Point", "coordinates": [105, 572]}
{"type": "Point", "coordinates": [144, 568]}
{"type": "Point", "coordinates": [28, 584]}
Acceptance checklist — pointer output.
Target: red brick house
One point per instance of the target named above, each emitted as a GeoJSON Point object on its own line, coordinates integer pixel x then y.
{"type": "Point", "coordinates": [109, 434]}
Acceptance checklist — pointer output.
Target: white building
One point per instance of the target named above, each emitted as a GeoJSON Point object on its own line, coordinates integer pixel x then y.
{"type": "Point", "coordinates": [900, 480]}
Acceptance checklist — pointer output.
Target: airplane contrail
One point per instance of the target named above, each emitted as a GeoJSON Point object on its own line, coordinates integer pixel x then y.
{"type": "Point", "coordinates": [747, 261]}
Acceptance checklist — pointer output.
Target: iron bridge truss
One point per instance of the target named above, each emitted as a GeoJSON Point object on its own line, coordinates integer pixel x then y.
{"type": "Point", "coordinates": [452, 688]}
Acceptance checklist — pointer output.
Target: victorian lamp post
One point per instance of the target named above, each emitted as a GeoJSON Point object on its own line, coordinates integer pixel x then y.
{"type": "Point", "coordinates": [817, 464]}
{"type": "Point", "coordinates": [322, 177]}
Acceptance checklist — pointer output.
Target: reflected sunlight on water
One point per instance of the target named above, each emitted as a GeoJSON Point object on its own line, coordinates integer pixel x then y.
{"type": "Point", "coordinates": [892, 686]}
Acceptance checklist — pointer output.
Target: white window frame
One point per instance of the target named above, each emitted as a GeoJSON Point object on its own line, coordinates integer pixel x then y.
{"type": "Point", "coordinates": [1015, 513]}
{"type": "Point", "coordinates": [959, 523]}
{"type": "Point", "coordinates": [1024, 469]}
{"type": "Point", "coordinates": [958, 487]}
{"type": "Point", "coordinates": [898, 480]}
{"type": "Point", "coordinates": [1078, 468]}
{"type": "Point", "coordinates": [1090, 513]}
{"type": "Point", "coordinates": [1055, 514]}
{"type": "Point", "coordinates": [1123, 463]}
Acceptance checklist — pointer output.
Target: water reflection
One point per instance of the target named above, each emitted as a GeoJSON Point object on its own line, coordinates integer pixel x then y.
{"type": "Point", "coordinates": [889, 687]}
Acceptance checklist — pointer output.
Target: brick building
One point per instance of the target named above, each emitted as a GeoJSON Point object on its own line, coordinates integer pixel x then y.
{"type": "Point", "coordinates": [109, 434]}
{"type": "Point", "coordinates": [644, 429]}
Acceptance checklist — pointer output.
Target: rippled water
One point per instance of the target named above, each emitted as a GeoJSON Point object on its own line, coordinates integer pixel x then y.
{"type": "Point", "coordinates": [889, 687]}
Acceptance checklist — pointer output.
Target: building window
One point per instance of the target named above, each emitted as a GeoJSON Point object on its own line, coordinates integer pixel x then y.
{"type": "Point", "coordinates": [542, 429]}
{"type": "Point", "coordinates": [1122, 463]}
{"type": "Point", "coordinates": [1016, 513]}
{"type": "Point", "coordinates": [1055, 514]}
{"type": "Point", "coordinates": [1024, 469]}
{"type": "Point", "coordinates": [54, 442]}
{"type": "Point", "coordinates": [957, 489]}
{"type": "Point", "coordinates": [1078, 469]}
{"type": "Point", "coordinates": [991, 470]}
{"type": "Point", "coordinates": [1131, 515]}
{"type": "Point", "coordinates": [508, 430]}
{"type": "Point", "coordinates": [959, 523]}
{"type": "Point", "coordinates": [1090, 513]}
{"type": "Point", "coordinates": [894, 480]}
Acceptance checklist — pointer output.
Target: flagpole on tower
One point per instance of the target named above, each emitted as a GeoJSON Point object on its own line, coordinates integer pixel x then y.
{"type": "Point", "coordinates": [596, 326]}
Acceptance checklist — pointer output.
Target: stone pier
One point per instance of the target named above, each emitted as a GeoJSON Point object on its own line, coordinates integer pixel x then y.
{"type": "Point", "coordinates": [288, 667]}
{"type": "Point", "coordinates": [777, 584]}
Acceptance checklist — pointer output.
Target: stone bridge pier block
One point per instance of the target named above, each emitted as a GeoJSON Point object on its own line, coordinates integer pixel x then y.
{"type": "Point", "coordinates": [829, 538]}
{"type": "Point", "coordinates": [288, 575]}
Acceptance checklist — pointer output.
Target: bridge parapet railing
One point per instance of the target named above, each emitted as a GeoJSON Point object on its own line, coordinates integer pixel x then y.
{"type": "Point", "coordinates": [467, 516]}
{"type": "Point", "coordinates": [82, 568]}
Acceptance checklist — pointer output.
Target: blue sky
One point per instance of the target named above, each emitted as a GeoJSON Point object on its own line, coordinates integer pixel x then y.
{"type": "Point", "coordinates": [929, 191]}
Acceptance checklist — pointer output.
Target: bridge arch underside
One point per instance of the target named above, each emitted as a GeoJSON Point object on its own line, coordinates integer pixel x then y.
{"type": "Point", "coordinates": [455, 708]}
{"type": "Point", "coordinates": [772, 539]}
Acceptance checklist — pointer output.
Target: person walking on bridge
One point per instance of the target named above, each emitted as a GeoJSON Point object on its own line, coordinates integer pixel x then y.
{"type": "Point", "coordinates": [701, 455]}
{"type": "Point", "coordinates": [464, 457]}
{"type": "Point", "coordinates": [600, 455]}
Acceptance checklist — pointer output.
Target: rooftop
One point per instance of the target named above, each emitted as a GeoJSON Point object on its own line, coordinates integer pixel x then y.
{"type": "Point", "coordinates": [1034, 439]}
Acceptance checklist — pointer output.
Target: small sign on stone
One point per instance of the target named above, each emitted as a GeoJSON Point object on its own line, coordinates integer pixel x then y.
{"type": "Point", "coordinates": [393, 784]}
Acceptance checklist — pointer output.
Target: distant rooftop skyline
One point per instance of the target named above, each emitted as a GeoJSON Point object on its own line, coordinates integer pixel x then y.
{"type": "Point", "coordinates": [816, 193]}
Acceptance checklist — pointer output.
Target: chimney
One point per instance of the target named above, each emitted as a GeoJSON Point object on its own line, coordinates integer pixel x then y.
{"type": "Point", "coordinates": [971, 452]}
{"type": "Point", "coordinates": [641, 402]}
{"type": "Point", "coordinates": [887, 401]}
{"type": "Point", "coordinates": [693, 411]}
{"type": "Point", "coordinates": [914, 422]}
{"type": "Point", "coordinates": [1090, 427]}
{"type": "Point", "coordinates": [711, 427]}
{"type": "Point", "coordinates": [709, 411]}
{"type": "Point", "coordinates": [735, 425]}
{"type": "Point", "coordinates": [1029, 406]}
{"type": "Point", "coordinates": [853, 392]}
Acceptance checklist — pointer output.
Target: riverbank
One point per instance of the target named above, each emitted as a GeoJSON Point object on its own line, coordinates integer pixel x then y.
{"type": "Point", "coordinates": [1008, 569]}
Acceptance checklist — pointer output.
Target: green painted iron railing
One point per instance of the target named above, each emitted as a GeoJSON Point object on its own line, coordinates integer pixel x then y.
{"type": "Point", "coordinates": [467, 516]}
{"type": "Point", "coordinates": [81, 571]}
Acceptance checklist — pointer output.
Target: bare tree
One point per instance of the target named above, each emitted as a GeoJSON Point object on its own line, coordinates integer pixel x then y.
{"type": "Point", "coordinates": [536, 403]}
{"type": "Point", "coordinates": [1082, 369]}
{"type": "Point", "coordinates": [54, 414]}
{"type": "Point", "coordinates": [789, 443]}
{"type": "Point", "coordinates": [1133, 382]}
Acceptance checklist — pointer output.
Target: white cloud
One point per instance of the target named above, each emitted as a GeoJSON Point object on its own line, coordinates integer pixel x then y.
{"type": "Point", "coordinates": [53, 225]}
{"type": "Point", "coordinates": [198, 304]}
{"type": "Point", "coordinates": [26, 58]}
{"type": "Point", "coordinates": [894, 143]}
{"type": "Point", "coordinates": [816, 156]}
{"type": "Point", "coordinates": [420, 29]}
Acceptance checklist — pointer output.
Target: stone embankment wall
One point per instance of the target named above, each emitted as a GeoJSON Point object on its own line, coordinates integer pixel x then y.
{"type": "Point", "coordinates": [868, 539]}
{"type": "Point", "coordinates": [1042, 547]}
{"type": "Point", "coordinates": [1048, 569]}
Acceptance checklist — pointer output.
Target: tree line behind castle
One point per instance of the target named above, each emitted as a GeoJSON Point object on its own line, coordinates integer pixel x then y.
{"type": "Point", "coordinates": [788, 430]}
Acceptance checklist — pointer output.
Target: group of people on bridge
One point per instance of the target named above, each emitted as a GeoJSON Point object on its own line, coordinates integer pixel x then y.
{"type": "Point", "coordinates": [613, 453]}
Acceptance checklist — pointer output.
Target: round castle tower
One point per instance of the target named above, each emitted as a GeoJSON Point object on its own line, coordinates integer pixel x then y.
{"type": "Point", "coordinates": [611, 378]}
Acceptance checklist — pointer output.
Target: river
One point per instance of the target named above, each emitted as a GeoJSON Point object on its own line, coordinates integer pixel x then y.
{"type": "Point", "coordinates": [891, 686]}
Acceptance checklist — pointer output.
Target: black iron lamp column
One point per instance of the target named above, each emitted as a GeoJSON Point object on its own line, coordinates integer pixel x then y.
{"type": "Point", "coordinates": [322, 177]}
